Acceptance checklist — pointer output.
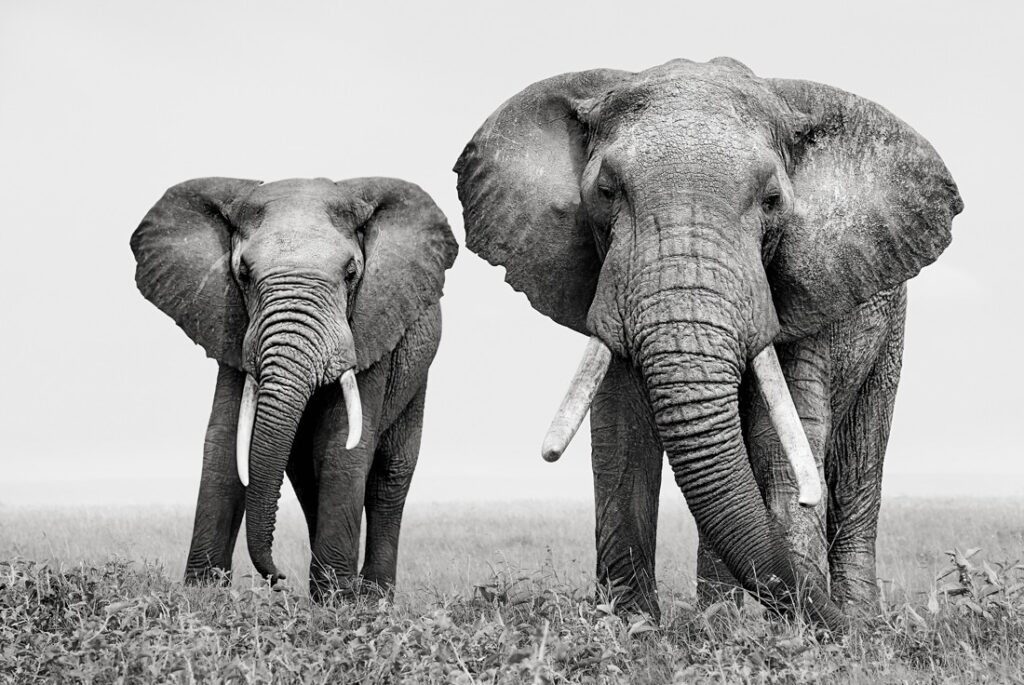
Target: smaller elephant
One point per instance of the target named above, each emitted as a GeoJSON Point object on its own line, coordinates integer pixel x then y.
{"type": "Point", "coordinates": [320, 302]}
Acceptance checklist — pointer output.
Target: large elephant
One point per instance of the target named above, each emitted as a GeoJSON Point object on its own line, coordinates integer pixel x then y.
{"type": "Point", "coordinates": [292, 286]}
{"type": "Point", "coordinates": [687, 217]}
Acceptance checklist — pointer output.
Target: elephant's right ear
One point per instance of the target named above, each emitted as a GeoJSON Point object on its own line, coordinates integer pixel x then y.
{"type": "Point", "coordinates": [183, 263]}
{"type": "Point", "coordinates": [519, 183]}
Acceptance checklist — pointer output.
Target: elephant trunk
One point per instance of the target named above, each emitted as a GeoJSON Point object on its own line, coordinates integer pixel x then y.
{"type": "Point", "coordinates": [280, 404]}
{"type": "Point", "coordinates": [692, 351]}
{"type": "Point", "coordinates": [297, 343]}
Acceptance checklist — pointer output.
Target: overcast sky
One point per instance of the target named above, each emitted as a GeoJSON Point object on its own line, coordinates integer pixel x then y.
{"type": "Point", "coordinates": [103, 105]}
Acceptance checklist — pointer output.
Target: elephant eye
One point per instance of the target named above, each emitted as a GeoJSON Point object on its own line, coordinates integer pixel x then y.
{"type": "Point", "coordinates": [243, 272]}
{"type": "Point", "coordinates": [606, 191]}
{"type": "Point", "coordinates": [771, 202]}
{"type": "Point", "coordinates": [351, 271]}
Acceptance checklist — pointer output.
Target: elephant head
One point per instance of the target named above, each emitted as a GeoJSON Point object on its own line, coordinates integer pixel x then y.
{"type": "Point", "coordinates": [686, 217]}
{"type": "Point", "coordinates": [297, 283]}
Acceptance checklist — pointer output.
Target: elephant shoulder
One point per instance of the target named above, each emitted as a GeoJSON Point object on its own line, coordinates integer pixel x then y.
{"type": "Point", "coordinates": [410, 361]}
{"type": "Point", "coordinates": [418, 346]}
{"type": "Point", "coordinates": [863, 337]}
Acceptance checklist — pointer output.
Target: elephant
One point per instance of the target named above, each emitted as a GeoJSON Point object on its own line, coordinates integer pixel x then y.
{"type": "Point", "coordinates": [319, 300]}
{"type": "Point", "coordinates": [736, 249]}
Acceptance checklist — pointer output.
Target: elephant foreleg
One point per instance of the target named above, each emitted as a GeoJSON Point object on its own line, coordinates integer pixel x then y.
{"type": "Point", "coordinates": [855, 478]}
{"type": "Point", "coordinates": [301, 469]}
{"type": "Point", "coordinates": [627, 461]}
{"type": "Point", "coordinates": [386, 490]}
{"type": "Point", "coordinates": [221, 502]}
{"type": "Point", "coordinates": [342, 486]}
{"type": "Point", "coordinates": [806, 366]}
{"type": "Point", "coordinates": [302, 475]}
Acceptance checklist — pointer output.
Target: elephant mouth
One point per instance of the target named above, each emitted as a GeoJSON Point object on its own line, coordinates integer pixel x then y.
{"type": "Point", "coordinates": [785, 419]}
{"type": "Point", "coordinates": [247, 418]}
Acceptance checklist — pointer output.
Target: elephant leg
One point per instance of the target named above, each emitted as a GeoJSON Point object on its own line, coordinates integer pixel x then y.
{"type": "Point", "coordinates": [806, 365]}
{"type": "Point", "coordinates": [221, 501]}
{"type": "Point", "coordinates": [301, 469]}
{"type": "Point", "coordinates": [304, 482]}
{"type": "Point", "coordinates": [627, 461]}
{"type": "Point", "coordinates": [855, 480]}
{"type": "Point", "coordinates": [386, 490]}
{"type": "Point", "coordinates": [342, 485]}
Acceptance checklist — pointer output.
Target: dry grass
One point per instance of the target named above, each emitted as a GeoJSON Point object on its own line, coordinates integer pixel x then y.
{"type": "Point", "coordinates": [491, 594]}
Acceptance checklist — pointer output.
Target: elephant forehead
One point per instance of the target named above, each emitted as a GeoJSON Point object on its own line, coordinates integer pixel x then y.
{"type": "Point", "coordinates": [679, 147]}
{"type": "Point", "coordinates": [299, 243]}
{"type": "Point", "coordinates": [680, 91]}
{"type": "Point", "coordinates": [292, 206]}
{"type": "Point", "coordinates": [295, 192]}
{"type": "Point", "coordinates": [297, 217]}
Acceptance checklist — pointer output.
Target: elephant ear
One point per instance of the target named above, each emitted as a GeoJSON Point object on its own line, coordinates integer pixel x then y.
{"type": "Point", "coordinates": [183, 263]}
{"type": "Point", "coordinates": [874, 205]}
{"type": "Point", "coordinates": [519, 184]}
{"type": "Point", "coordinates": [407, 246]}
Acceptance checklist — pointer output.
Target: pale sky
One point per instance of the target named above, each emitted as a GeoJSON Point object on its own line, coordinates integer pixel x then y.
{"type": "Point", "coordinates": [103, 105]}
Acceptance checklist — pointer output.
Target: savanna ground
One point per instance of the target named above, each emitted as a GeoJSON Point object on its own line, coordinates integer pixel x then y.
{"type": "Point", "coordinates": [491, 594]}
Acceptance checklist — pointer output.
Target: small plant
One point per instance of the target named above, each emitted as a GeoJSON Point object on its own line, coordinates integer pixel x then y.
{"type": "Point", "coordinates": [985, 589]}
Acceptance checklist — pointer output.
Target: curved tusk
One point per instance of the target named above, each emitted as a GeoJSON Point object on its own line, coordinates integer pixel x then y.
{"type": "Point", "coordinates": [246, 418]}
{"type": "Point", "coordinates": [354, 407]}
{"type": "Point", "coordinates": [576, 404]}
{"type": "Point", "coordinates": [787, 424]}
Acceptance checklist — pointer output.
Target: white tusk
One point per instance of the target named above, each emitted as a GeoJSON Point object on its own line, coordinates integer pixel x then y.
{"type": "Point", "coordinates": [787, 424]}
{"type": "Point", "coordinates": [576, 404]}
{"type": "Point", "coordinates": [246, 418]}
{"type": "Point", "coordinates": [350, 391]}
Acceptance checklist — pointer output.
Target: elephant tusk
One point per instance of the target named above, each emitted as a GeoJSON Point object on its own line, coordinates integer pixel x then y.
{"type": "Point", "coordinates": [354, 407]}
{"type": "Point", "coordinates": [787, 424]}
{"type": "Point", "coordinates": [576, 403]}
{"type": "Point", "coordinates": [246, 419]}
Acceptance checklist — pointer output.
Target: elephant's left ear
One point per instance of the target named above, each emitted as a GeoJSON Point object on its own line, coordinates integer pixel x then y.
{"type": "Point", "coordinates": [874, 205]}
{"type": "Point", "coordinates": [407, 247]}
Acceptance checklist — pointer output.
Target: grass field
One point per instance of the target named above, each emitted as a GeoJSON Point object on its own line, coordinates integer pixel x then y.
{"type": "Point", "coordinates": [490, 594]}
